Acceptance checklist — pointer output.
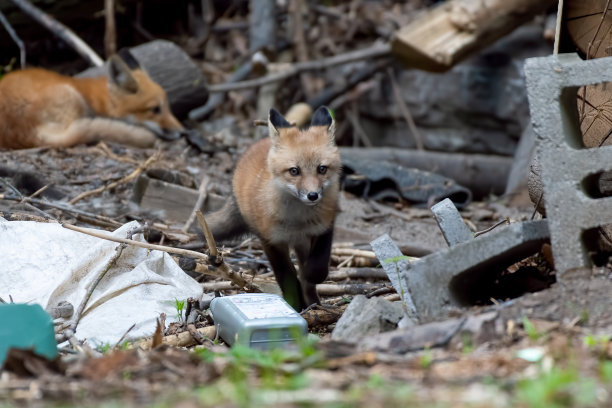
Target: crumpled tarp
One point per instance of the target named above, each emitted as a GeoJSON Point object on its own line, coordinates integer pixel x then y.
{"type": "Point", "coordinates": [45, 263]}
{"type": "Point", "coordinates": [380, 180]}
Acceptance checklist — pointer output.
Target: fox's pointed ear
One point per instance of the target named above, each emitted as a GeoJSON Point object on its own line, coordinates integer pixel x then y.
{"type": "Point", "coordinates": [276, 121]}
{"type": "Point", "coordinates": [120, 75]}
{"type": "Point", "coordinates": [323, 117]}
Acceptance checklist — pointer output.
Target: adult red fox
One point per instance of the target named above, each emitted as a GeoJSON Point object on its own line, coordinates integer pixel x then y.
{"type": "Point", "coordinates": [285, 191]}
{"type": "Point", "coordinates": [42, 108]}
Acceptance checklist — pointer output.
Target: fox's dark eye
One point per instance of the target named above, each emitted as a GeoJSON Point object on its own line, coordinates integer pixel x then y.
{"type": "Point", "coordinates": [322, 169]}
{"type": "Point", "coordinates": [294, 171]}
{"type": "Point", "coordinates": [156, 110]}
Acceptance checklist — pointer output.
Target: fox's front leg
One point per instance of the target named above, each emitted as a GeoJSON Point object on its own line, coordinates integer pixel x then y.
{"type": "Point", "coordinates": [285, 274]}
{"type": "Point", "coordinates": [314, 264]}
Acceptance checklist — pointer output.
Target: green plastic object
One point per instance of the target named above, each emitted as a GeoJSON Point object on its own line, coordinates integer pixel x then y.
{"type": "Point", "coordinates": [26, 327]}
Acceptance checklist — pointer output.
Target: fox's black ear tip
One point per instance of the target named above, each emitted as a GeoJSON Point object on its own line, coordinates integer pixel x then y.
{"type": "Point", "coordinates": [277, 119]}
{"type": "Point", "coordinates": [322, 117]}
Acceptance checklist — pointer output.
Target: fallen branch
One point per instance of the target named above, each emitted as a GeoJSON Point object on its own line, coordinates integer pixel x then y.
{"type": "Point", "coordinates": [375, 51]}
{"type": "Point", "coordinates": [183, 339]}
{"type": "Point", "coordinates": [61, 31]}
{"type": "Point", "coordinates": [202, 194]}
{"type": "Point", "coordinates": [9, 29]}
{"type": "Point", "coordinates": [320, 316]}
{"type": "Point", "coordinates": [353, 252]}
{"type": "Point", "coordinates": [236, 277]}
{"type": "Point", "coordinates": [216, 259]}
{"type": "Point", "coordinates": [418, 139]}
{"type": "Point", "coordinates": [109, 222]}
{"type": "Point", "coordinates": [358, 273]}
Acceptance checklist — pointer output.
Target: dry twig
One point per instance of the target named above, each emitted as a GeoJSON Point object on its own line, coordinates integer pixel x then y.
{"type": "Point", "coordinates": [202, 194]}
{"type": "Point", "coordinates": [114, 184]}
{"type": "Point", "coordinates": [418, 139]}
{"type": "Point", "coordinates": [61, 31]}
{"type": "Point", "coordinates": [16, 39]}
{"type": "Point", "coordinates": [110, 34]}
{"type": "Point", "coordinates": [375, 51]}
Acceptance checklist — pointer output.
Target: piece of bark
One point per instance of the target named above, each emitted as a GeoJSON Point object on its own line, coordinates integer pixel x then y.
{"type": "Point", "coordinates": [588, 27]}
{"type": "Point", "coordinates": [449, 33]}
{"type": "Point", "coordinates": [482, 174]}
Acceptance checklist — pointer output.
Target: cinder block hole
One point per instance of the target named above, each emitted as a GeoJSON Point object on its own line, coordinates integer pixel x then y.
{"type": "Point", "coordinates": [531, 275]}
{"type": "Point", "coordinates": [598, 244]}
{"type": "Point", "coordinates": [594, 111]}
{"type": "Point", "coordinates": [598, 185]}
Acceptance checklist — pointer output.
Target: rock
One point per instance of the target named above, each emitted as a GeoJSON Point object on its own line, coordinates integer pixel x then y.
{"type": "Point", "coordinates": [367, 317]}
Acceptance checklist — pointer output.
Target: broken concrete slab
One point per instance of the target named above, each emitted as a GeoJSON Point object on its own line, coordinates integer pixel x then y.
{"type": "Point", "coordinates": [452, 277]}
{"type": "Point", "coordinates": [552, 84]}
{"type": "Point", "coordinates": [450, 222]}
{"type": "Point", "coordinates": [435, 334]}
{"type": "Point", "coordinates": [365, 317]}
{"type": "Point", "coordinates": [480, 328]}
{"type": "Point", "coordinates": [456, 276]}
{"type": "Point", "coordinates": [393, 263]}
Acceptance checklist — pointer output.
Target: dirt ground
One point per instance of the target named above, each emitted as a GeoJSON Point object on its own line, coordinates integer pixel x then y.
{"type": "Point", "coordinates": [549, 348]}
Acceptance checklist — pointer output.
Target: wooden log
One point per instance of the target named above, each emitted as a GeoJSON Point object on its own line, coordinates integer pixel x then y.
{"type": "Point", "coordinates": [447, 34]}
{"type": "Point", "coordinates": [482, 174]}
{"type": "Point", "coordinates": [173, 70]}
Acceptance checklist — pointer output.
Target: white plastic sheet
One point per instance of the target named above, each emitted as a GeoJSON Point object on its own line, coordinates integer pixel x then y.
{"type": "Point", "coordinates": [45, 263]}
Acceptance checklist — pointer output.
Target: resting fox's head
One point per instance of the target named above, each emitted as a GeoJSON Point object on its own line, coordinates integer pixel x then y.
{"type": "Point", "coordinates": [138, 99]}
{"type": "Point", "coordinates": [304, 163]}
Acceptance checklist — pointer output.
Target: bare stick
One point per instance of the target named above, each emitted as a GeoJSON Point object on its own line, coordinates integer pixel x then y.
{"type": "Point", "coordinates": [202, 194]}
{"type": "Point", "coordinates": [183, 339]}
{"type": "Point", "coordinates": [418, 140]}
{"type": "Point", "coordinates": [170, 250]}
{"type": "Point", "coordinates": [227, 272]}
{"type": "Point", "coordinates": [491, 228]}
{"type": "Point", "coordinates": [61, 31]}
{"type": "Point", "coordinates": [76, 318]}
{"type": "Point", "coordinates": [123, 337]}
{"type": "Point", "coordinates": [299, 42]}
{"type": "Point", "coordinates": [114, 184]}
{"type": "Point", "coordinates": [375, 51]}
{"type": "Point", "coordinates": [353, 252]}
{"type": "Point", "coordinates": [110, 34]}
{"type": "Point", "coordinates": [352, 117]}
{"type": "Point", "coordinates": [16, 39]}
{"type": "Point", "coordinates": [210, 239]}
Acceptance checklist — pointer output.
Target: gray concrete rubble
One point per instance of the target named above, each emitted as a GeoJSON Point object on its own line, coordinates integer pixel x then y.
{"type": "Point", "coordinates": [367, 317]}
{"type": "Point", "coordinates": [449, 220]}
{"type": "Point", "coordinates": [479, 328]}
{"type": "Point", "coordinates": [393, 263]}
{"type": "Point", "coordinates": [450, 277]}
{"type": "Point", "coordinates": [453, 277]}
{"type": "Point", "coordinates": [552, 84]}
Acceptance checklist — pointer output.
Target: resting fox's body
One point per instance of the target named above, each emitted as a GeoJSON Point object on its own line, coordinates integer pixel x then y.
{"type": "Point", "coordinates": [285, 191]}
{"type": "Point", "coordinates": [42, 108]}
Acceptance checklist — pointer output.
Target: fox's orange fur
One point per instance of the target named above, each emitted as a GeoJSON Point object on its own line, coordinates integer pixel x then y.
{"type": "Point", "coordinates": [285, 191]}
{"type": "Point", "coordinates": [42, 108]}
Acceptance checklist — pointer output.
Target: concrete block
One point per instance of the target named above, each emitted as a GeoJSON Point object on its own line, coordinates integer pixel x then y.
{"type": "Point", "coordinates": [385, 250]}
{"type": "Point", "coordinates": [552, 84]}
{"type": "Point", "coordinates": [451, 277]}
{"type": "Point", "coordinates": [366, 317]}
{"type": "Point", "coordinates": [450, 222]}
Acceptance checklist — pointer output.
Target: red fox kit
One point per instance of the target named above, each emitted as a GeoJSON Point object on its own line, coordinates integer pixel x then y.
{"type": "Point", "coordinates": [42, 108]}
{"type": "Point", "coordinates": [285, 191]}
